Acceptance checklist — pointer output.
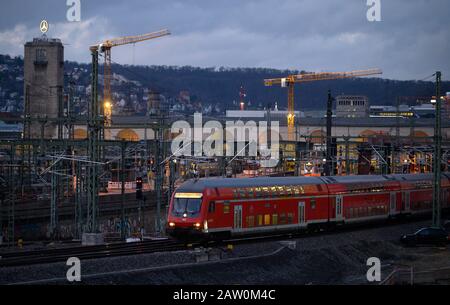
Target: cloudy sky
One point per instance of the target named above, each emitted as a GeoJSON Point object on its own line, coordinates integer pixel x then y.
{"type": "Point", "coordinates": [410, 42]}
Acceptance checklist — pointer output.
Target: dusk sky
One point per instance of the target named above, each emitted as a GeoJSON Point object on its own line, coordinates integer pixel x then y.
{"type": "Point", "coordinates": [411, 41]}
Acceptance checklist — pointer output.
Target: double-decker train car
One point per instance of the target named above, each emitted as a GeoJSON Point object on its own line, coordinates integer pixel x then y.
{"type": "Point", "coordinates": [217, 208]}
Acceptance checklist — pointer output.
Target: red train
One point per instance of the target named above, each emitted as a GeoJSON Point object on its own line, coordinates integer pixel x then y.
{"type": "Point", "coordinates": [222, 207]}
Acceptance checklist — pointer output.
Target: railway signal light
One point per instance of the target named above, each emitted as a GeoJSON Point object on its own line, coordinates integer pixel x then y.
{"type": "Point", "coordinates": [139, 188]}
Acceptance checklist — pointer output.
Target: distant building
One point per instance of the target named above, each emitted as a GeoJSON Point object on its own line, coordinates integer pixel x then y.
{"type": "Point", "coordinates": [43, 84]}
{"type": "Point", "coordinates": [352, 106]}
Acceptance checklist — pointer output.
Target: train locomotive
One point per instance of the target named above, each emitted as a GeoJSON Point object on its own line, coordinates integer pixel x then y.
{"type": "Point", "coordinates": [219, 208]}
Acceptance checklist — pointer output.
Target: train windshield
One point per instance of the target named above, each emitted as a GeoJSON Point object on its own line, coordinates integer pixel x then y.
{"type": "Point", "coordinates": [186, 207]}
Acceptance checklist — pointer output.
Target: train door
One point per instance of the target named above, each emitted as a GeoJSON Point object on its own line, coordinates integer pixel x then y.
{"type": "Point", "coordinates": [301, 213]}
{"type": "Point", "coordinates": [237, 217]}
{"type": "Point", "coordinates": [444, 196]}
{"type": "Point", "coordinates": [339, 207]}
{"type": "Point", "coordinates": [393, 203]}
{"type": "Point", "coordinates": [406, 204]}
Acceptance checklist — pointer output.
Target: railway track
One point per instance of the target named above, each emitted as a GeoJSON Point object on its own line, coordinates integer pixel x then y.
{"type": "Point", "coordinates": [88, 252]}
{"type": "Point", "coordinates": [167, 244]}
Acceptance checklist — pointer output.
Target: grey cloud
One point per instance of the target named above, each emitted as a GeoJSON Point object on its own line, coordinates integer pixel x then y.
{"type": "Point", "coordinates": [411, 42]}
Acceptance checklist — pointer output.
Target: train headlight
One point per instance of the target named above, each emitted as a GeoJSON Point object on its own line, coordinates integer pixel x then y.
{"type": "Point", "coordinates": [171, 224]}
{"type": "Point", "coordinates": [197, 225]}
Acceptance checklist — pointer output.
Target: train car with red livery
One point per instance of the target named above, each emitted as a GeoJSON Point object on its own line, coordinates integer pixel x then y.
{"type": "Point", "coordinates": [217, 208]}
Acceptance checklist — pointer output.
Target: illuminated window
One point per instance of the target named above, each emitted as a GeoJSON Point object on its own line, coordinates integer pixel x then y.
{"type": "Point", "coordinates": [274, 191]}
{"type": "Point", "coordinates": [302, 190]}
{"type": "Point", "coordinates": [289, 190]}
{"type": "Point", "coordinates": [267, 219]}
{"type": "Point", "coordinates": [226, 207]}
{"type": "Point", "coordinates": [258, 192]}
{"type": "Point", "coordinates": [260, 219]}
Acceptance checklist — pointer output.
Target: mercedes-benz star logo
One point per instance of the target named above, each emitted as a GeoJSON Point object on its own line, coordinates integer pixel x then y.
{"type": "Point", "coordinates": [44, 26]}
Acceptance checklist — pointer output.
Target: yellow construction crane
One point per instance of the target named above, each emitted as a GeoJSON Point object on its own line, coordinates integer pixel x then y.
{"type": "Point", "coordinates": [105, 47]}
{"type": "Point", "coordinates": [290, 80]}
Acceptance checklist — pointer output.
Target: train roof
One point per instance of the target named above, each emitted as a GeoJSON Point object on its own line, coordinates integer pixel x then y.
{"type": "Point", "coordinates": [198, 185]}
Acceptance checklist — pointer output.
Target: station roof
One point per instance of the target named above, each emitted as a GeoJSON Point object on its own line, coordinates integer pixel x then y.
{"type": "Point", "coordinates": [305, 121]}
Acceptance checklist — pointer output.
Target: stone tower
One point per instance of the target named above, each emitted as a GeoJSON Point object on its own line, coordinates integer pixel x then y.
{"type": "Point", "coordinates": [43, 85]}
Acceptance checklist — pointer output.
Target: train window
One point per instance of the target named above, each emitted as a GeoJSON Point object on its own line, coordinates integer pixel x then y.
{"type": "Point", "coordinates": [290, 217]}
{"type": "Point", "coordinates": [250, 221]}
{"type": "Point", "coordinates": [274, 219]}
{"type": "Point", "coordinates": [313, 204]}
{"type": "Point", "coordinates": [289, 190]}
{"type": "Point", "coordinates": [265, 191]}
{"type": "Point", "coordinates": [260, 220]}
{"type": "Point", "coordinates": [267, 219]}
{"type": "Point", "coordinates": [188, 207]}
{"type": "Point", "coordinates": [226, 207]}
{"type": "Point", "coordinates": [282, 218]}
{"type": "Point", "coordinates": [212, 207]}
{"type": "Point", "coordinates": [258, 192]}
{"type": "Point", "coordinates": [274, 191]}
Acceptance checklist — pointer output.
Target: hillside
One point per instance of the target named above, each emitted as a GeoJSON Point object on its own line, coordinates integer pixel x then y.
{"type": "Point", "coordinates": [218, 87]}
